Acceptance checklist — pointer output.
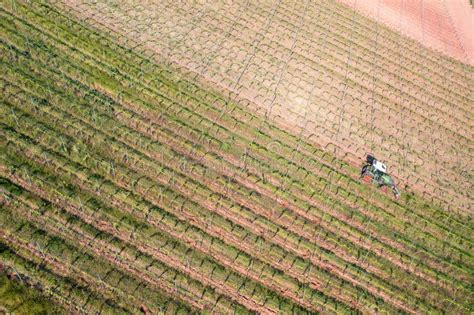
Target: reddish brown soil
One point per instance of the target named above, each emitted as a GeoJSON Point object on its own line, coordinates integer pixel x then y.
{"type": "Point", "coordinates": [266, 201]}
{"type": "Point", "coordinates": [337, 79]}
{"type": "Point", "coordinates": [444, 25]}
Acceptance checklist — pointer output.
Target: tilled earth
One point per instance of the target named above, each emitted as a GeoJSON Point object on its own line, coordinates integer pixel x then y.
{"type": "Point", "coordinates": [323, 71]}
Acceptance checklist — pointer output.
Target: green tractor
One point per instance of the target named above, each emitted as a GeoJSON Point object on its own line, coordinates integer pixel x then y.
{"type": "Point", "coordinates": [376, 172]}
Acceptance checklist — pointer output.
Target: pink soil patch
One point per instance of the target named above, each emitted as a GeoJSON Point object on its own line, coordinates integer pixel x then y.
{"type": "Point", "coordinates": [444, 25]}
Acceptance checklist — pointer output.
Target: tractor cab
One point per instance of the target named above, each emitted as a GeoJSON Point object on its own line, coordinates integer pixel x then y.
{"type": "Point", "coordinates": [380, 167]}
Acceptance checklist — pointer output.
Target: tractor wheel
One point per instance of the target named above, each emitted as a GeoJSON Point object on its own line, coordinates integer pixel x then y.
{"type": "Point", "coordinates": [364, 170]}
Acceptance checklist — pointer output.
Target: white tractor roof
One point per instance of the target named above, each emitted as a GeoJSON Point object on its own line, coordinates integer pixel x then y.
{"type": "Point", "coordinates": [380, 166]}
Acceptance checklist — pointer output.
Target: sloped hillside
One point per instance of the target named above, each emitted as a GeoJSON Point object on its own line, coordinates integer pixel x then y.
{"type": "Point", "coordinates": [330, 74]}
{"type": "Point", "coordinates": [444, 26]}
{"type": "Point", "coordinates": [130, 184]}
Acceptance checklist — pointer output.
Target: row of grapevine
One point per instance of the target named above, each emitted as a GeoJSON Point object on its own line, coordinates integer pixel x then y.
{"type": "Point", "coordinates": [166, 184]}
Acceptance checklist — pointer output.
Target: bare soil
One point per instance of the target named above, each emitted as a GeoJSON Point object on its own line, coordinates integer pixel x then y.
{"type": "Point", "coordinates": [445, 26]}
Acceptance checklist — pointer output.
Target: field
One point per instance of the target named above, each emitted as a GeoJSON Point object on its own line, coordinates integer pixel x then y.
{"type": "Point", "coordinates": [341, 81]}
{"type": "Point", "coordinates": [153, 165]}
{"type": "Point", "coordinates": [18, 298]}
{"type": "Point", "coordinates": [444, 26]}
